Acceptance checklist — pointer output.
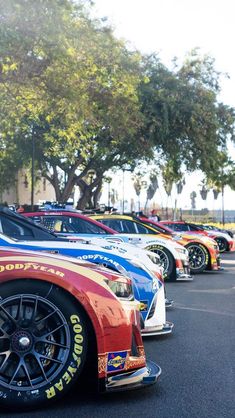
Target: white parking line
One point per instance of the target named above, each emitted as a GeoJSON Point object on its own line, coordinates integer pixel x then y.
{"type": "Point", "coordinates": [220, 291]}
{"type": "Point", "coordinates": [204, 310]}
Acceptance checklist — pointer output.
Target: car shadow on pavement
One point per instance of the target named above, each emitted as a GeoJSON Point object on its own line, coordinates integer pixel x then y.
{"type": "Point", "coordinates": [86, 402]}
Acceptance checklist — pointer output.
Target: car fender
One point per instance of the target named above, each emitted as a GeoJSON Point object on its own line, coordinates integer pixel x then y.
{"type": "Point", "coordinates": [141, 276]}
{"type": "Point", "coordinates": [144, 241]}
{"type": "Point", "coordinates": [89, 291]}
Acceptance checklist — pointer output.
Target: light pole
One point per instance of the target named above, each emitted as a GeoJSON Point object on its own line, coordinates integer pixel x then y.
{"type": "Point", "coordinates": [32, 170]}
{"type": "Point", "coordinates": [123, 187]}
{"type": "Point", "coordinates": [123, 190]}
{"type": "Point", "coordinates": [222, 192]}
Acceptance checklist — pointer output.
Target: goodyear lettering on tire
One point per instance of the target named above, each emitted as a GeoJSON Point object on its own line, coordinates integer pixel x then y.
{"type": "Point", "coordinates": [75, 363]}
{"type": "Point", "coordinates": [155, 247]}
{"type": "Point", "coordinates": [205, 252]}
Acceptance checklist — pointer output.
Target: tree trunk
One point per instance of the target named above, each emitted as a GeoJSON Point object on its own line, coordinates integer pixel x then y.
{"type": "Point", "coordinates": [89, 193]}
{"type": "Point", "coordinates": [97, 193]}
{"type": "Point", "coordinates": [85, 197]}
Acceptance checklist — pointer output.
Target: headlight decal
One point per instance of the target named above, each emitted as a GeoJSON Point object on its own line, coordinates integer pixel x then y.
{"type": "Point", "coordinates": [121, 290]}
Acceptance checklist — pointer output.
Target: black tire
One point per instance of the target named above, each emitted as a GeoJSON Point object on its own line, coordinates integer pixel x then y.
{"type": "Point", "coordinates": [198, 257]}
{"type": "Point", "coordinates": [167, 261]}
{"type": "Point", "coordinates": [43, 343]}
{"type": "Point", "coordinates": [222, 243]}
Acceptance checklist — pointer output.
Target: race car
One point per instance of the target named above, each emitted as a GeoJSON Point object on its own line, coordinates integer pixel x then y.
{"type": "Point", "coordinates": [203, 250]}
{"type": "Point", "coordinates": [146, 275]}
{"type": "Point", "coordinates": [173, 257]}
{"type": "Point", "coordinates": [226, 244]}
{"type": "Point", "coordinates": [224, 240]}
{"type": "Point", "coordinates": [216, 228]}
{"type": "Point", "coordinates": [61, 320]}
{"type": "Point", "coordinates": [175, 267]}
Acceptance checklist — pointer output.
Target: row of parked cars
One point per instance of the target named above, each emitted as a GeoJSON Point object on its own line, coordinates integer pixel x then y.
{"type": "Point", "coordinates": [79, 293]}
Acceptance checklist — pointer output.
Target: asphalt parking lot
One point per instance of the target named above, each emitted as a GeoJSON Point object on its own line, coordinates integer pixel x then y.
{"type": "Point", "coordinates": [197, 360]}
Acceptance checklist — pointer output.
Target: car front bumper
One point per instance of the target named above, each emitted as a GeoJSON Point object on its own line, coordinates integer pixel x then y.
{"type": "Point", "coordinates": [183, 273]}
{"type": "Point", "coordinates": [216, 263]}
{"type": "Point", "coordinates": [155, 322]}
{"type": "Point", "coordinates": [231, 245]}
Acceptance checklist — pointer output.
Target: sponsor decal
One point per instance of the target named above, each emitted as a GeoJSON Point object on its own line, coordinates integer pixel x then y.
{"type": "Point", "coordinates": [27, 266]}
{"type": "Point", "coordinates": [143, 305]}
{"type": "Point", "coordinates": [116, 361]}
{"type": "Point", "coordinates": [114, 247]}
{"type": "Point", "coordinates": [155, 241]}
{"type": "Point", "coordinates": [114, 239]}
{"type": "Point", "coordinates": [99, 257]}
{"type": "Point", "coordinates": [94, 276]}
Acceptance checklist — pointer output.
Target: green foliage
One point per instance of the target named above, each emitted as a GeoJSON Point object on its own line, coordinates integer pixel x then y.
{"type": "Point", "coordinates": [73, 85]}
{"type": "Point", "coordinates": [183, 119]}
{"type": "Point", "coordinates": [170, 174]}
{"type": "Point", "coordinates": [221, 175]}
{"type": "Point", "coordinates": [90, 103]}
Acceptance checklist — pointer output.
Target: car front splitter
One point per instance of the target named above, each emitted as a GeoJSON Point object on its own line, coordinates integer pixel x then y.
{"type": "Point", "coordinates": [169, 303]}
{"type": "Point", "coordinates": [184, 278]}
{"type": "Point", "coordinates": [154, 331]}
{"type": "Point", "coordinates": [134, 379]}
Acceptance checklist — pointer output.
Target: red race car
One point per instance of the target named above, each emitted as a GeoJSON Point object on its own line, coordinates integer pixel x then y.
{"type": "Point", "coordinates": [60, 320]}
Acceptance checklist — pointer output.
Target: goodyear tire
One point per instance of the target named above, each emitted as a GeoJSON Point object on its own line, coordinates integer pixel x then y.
{"type": "Point", "coordinates": [166, 260]}
{"type": "Point", "coordinates": [198, 257]}
{"type": "Point", "coordinates": [43, 343]}
{"type": "Point", "coordinates": [222, 243]}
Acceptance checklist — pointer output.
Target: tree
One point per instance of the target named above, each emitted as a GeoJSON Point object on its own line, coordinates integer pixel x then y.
{"type": "Point", "coordinates": [170, 175]}
{"type": "Point", "coordinates": [153, 186]}
{"type": "Point", "coordinates": [75, 88]}
{"type": "Point", "coordinates": [193, 196]}
{"type": "Point", "coordinates": [222, 175]}
{"type": "Point", "coordinates": [183, 119]}
{"type": "Point", "coordinates": [90, 103]}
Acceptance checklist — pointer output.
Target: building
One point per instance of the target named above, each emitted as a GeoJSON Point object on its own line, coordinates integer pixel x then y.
{"type": "Point", "coordinates": [21, 192]}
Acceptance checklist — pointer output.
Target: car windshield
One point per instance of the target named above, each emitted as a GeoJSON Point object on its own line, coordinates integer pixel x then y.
{"type": "Point", "coordinates": [178, 227]}
{"type": "Point", "coordinates": [68, 224]}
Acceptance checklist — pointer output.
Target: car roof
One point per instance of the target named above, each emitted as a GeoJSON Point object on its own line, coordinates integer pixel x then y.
{"type": "Point", "coordinates": [157, 224]}
{"type": "Point", "coordinates": [113, 216]}
{"type": "Point", "coordinates": [127, 218]}
{"type": "Point", "coordinates": [172, 222]}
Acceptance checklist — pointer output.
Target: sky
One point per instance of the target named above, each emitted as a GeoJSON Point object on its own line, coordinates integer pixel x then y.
{"type": "Point", "coordinates": [172, 28]}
